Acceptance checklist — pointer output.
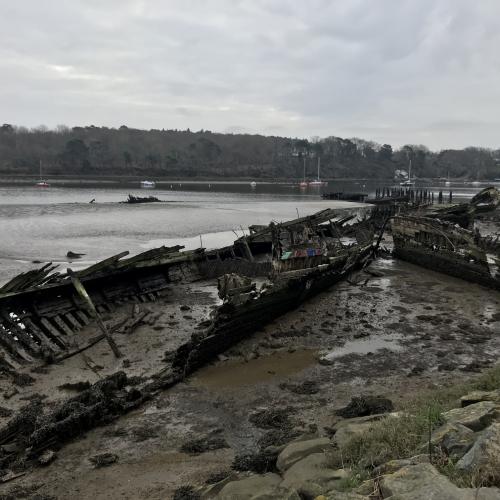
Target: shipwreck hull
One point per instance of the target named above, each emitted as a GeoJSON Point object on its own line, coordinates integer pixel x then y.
{"type": "Point", "coordinates": [446, 263]}
{"type": "Point", "coordinates": [233, 323]}
{"type": "Point", "coordinates": [443, 247]}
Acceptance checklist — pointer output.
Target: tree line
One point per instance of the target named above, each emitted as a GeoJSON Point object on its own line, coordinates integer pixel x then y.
{"type": "Point", "coordinates": [95, 151]}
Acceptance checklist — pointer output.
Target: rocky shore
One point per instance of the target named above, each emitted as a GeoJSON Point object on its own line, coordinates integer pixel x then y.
{"type": "Point", "coordinates": [459, 459]}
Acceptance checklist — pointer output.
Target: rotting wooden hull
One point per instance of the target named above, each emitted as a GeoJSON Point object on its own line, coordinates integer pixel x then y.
{"type": "Point", "coordinates": [447, 263]}
{"type": "Point", "coordinates": [234, 323]}
{"type": "Point", "coordinates": [444, 248]}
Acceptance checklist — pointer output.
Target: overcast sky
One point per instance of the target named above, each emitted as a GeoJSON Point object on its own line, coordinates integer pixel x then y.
{"type": "Point", "coordinates": [397, 71]}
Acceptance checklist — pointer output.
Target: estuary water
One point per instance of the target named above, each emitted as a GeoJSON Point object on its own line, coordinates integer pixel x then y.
{"type": "Point", "coordinates": [43, 224]}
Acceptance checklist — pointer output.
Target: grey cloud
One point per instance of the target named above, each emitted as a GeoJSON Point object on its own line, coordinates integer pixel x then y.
{"type": "Point", "coordinates": [394, 71]}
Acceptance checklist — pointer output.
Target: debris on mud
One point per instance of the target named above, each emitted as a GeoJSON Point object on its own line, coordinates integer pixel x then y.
{"type": "Point", "coordinates": [306, 387]}
{"type": "Point", "coordinates": [218, 476]}
{"type": "Point", "coordinates": [103, 459]}
{"type": "Point", "coordinates": [365, 405]}
{"type": "Point", "coordinates": [203, 444]}
{"type": "Point", "coordinates": [272, 418]}
{"type": "Point", "coordinates": [75, 386]}
{"type": "Point", "coordinates": [47, 457]}
{"type": "Point", "coordinates": [186, 492]}
{"type": "Point", "coordinates": [258, 462]}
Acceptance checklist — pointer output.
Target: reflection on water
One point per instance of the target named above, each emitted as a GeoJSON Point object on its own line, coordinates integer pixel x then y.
{"type": "Point", "coordinates": [364, 346]}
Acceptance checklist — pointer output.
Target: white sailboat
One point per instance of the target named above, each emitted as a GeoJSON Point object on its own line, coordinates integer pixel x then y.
{"type": "Point", "coordinates": [318, 181]}
{"type": "Point", "coordinates": [447, 182]}
{"type": "Point", "coordinates": [41, 183]}
{"type": "Point", "coordinates": [408, 182]}
{"type": "Point", "coordinates": [303, 183]}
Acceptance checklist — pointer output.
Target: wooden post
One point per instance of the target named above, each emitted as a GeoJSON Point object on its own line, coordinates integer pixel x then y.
{"type": "Point", "coordinates": [247, 249]}
{"type": "Point", "coordinates": [93, 311]}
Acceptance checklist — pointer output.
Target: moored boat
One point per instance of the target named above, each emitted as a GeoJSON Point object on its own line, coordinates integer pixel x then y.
{"type": "Point", "coordinates": [148, 184]}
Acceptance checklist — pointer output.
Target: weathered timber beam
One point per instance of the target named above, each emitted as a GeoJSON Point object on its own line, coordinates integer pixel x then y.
{"type": "Point", "coordinates": [90, 306]}
{"type": "Point", "coordinates": [101, 266]}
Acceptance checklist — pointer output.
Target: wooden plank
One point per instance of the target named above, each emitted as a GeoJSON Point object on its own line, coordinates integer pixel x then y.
{"type": "Point", "coordinates": [82, 317]}
{"type": "Point", "coordinates": [72, 321]}
{"type": "Point", "coordinates": [105, 264]}
{"type": "Point", "coordinates": [85, 296]}
{"type": "Point", "coordinates": [40, 335]}
{"type": "Point", "coordinates": [52, 332]}
{"type": "Point", "coordinates": [149, 255]}
{"type": "Point", "coordinates": [22, 335]}
{"type": "Point", "coordinates": [12, 346]}
{"type": "Point", "coordinates": [62, 325]}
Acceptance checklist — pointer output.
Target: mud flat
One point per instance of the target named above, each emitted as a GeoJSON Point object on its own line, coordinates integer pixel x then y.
{"type": "Point", "coordinates": [391, 331]}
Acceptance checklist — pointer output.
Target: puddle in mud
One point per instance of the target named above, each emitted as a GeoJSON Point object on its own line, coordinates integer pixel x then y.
{"type": "Point", "coordinates": [365, 346]}
{"type": "Point", "coordinates": [264, 369]}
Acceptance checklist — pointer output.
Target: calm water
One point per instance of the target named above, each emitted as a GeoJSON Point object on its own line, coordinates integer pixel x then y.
{"type": "Point", "coordinates": [43, 224]}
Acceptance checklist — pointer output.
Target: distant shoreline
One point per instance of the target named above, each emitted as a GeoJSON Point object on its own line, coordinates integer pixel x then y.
{"type": "Point", "coordinates": [120, 180]}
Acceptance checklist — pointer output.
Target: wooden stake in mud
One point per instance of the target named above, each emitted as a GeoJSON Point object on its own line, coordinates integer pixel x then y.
{"type": "Point", "coordinates": [93, 311]}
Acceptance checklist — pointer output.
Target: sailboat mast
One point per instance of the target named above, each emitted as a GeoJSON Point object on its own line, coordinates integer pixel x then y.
{"type": "Point", "coordinates": [319, 161]}
{"type": "Point", "coordinates": [40, 169]}
{"type": "Point", "coordinates": [304, 169]}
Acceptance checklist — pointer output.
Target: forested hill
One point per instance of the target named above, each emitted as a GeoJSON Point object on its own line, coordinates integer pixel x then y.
{"type": "Point", "coordinates": [182, 153]}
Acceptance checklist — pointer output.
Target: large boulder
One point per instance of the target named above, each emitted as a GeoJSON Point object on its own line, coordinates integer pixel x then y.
{"type": "Point", "coordinates": [312, 476]}
{"type": "Point", "coordinates": [485, 453]}
{"type": "Point", "coordinates": [454, 439]}
{"type": "Point", "coordinates": [476, 416]}
{"type": "Point", "coordinates": [257, 487]}
{"type": "Point", "coordinates": [478, 396]}
{"type": "Point", "coordinates": [301, 449]}
{"type": "Point", "coordinates": [423, 481]}
{"type": "Point", "coordinates": [345, 430]}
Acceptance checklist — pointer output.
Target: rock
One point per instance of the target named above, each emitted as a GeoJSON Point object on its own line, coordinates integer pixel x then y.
{"type": "Point", "coordinates": [394, 465]}
{"type": "Point", "coordinates": [47, 457]}
{"type": "Point", "coordinates": [257, 487]}
{"type": "Point", "coordinates": [300, 449]}
{"type": "Point", "coordinates": [476, 416]}
{"type": "Point", "coordinates": [213, 490]}
{"type": "Point", "coordinates": [485, 451]}
{"type": "Point", "coordinates": [312, 476]}
{"type": "Point", "coordinates": [454, 439]}
{"type": "Point", "coordinates": [345, 430]}
{"type": "Point", "coordinates": [417, 482]}
{"type": "Point", "coordinates": [478, 396]}
{"type": "Point", "coordinates": [367, 488]}
{"type": "Point", "coordinates": [366, 405]}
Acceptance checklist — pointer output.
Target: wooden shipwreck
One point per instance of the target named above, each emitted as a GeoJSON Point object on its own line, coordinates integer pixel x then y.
{"type": "Point", "coordinates": [448, 248]}
{"type": "Point", "coordinates": [42, 311]}
{"type": "Point", "coordinates": [43, 316]}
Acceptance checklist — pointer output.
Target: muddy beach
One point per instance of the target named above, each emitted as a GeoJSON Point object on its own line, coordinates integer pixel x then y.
{"type": "Point", "coordinates": [393, 330]}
